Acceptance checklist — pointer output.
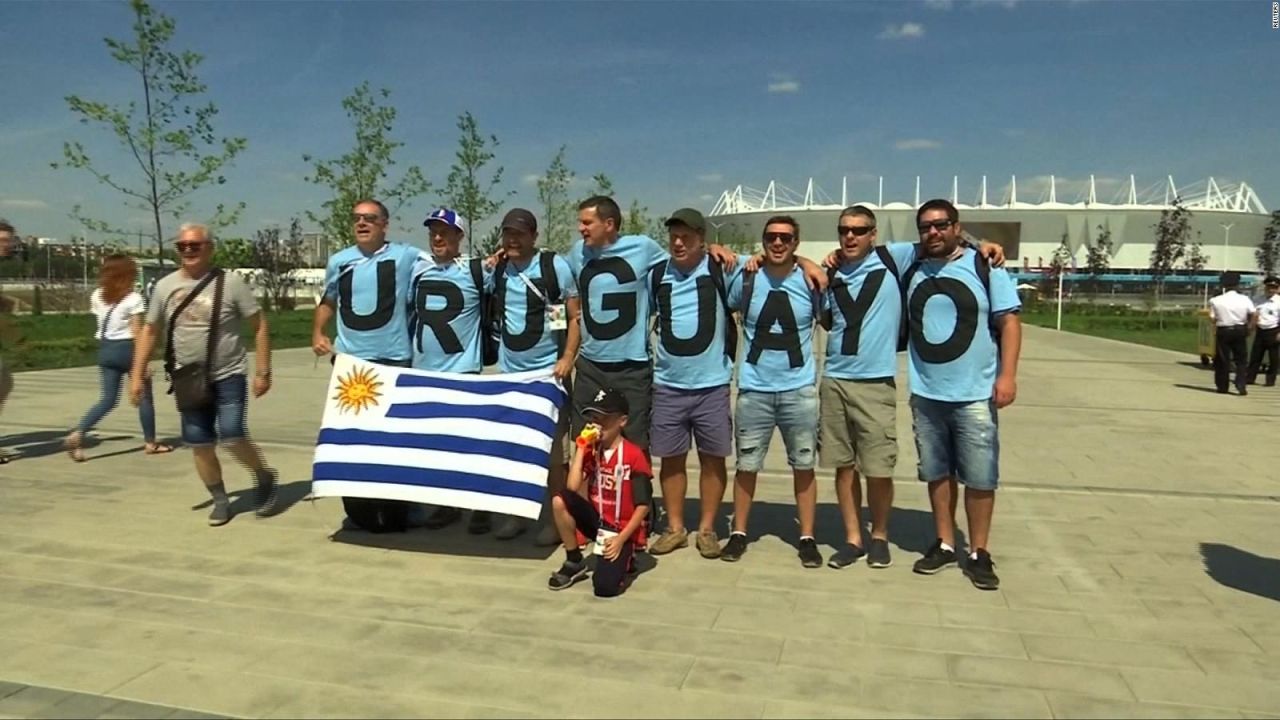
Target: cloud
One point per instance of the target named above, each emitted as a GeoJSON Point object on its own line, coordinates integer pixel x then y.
{"type": "Point", "coordinates": [1006, 4]}
{"type": "Point", "coordinates": [531, 179]}
{"type": "Point", "coordinates": [903, 31]}
{"type": "Point", "coordinates": [784, 86]}
{"type": "Point", "coordinates": [711, 178]}
{"type": "Point", "coordinates": [706, 198]}
{"type": "Point", "coordinates": [1014, 132]}
{"type": "Point", "coordinates": [917, 144]}
{"type": "Point", "coordinates": [939, 4]}
{"type": "Point", "coordinates": [24, 204]}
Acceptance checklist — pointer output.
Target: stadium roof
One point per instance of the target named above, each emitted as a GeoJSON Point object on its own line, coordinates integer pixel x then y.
{"type": "Point", "coordinates": [1204, 195]}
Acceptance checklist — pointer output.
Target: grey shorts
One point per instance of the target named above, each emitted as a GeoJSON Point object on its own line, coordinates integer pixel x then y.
{"type": "Point", "coordinates": [633, 379]}
{"type": "Point", "coordinates": [702, 413]}
{"type": "Point", "coordinates": [859, 425]}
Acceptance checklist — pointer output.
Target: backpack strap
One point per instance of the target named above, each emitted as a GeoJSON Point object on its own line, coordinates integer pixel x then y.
{"type": "Point", "coordinates": [748, 282]}
{"type": "Point", "coordinates": [477, 275]}
{"type": "Point", "coordinates": [886, 257]}
{"type": "Point", "coordinates": [547, 265]}
{"type": "Point", "coordinates": [656, 273]}
{"type": "Point", "coordinates": [717, 279]}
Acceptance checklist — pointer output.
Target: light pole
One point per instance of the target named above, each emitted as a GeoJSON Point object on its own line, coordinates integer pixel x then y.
{"type": "Point", "coordinates": [1226, 244]}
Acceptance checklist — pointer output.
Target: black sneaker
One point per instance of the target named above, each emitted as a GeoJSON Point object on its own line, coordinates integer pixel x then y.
{"type": "Point", "coordinates": [220, 514]}
{"type": "Point", "coordinates": [442, 517]}
{"type": "Point", "coordinates": [934, 560]}
{"type": "Point", "coordinates": [568, 574]}
{"type": "Point", "coordinates": [844, 557]}
{"type": "Point", "coordinates": [809, 555]}
{"type": "Point", "coordinates": [981, 571]}
{"type": "Point", "coordinates": [480, 522]}
{"type": "Point", "coordinates": [265, 492]}
{"type": "Point", "coordinates": [878, 555]}
{"type": "Point", "coordinates": [734, 548]}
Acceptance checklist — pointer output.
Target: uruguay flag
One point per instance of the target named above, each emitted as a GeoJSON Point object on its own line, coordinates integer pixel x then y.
{"type": "Point", "coordinates": [479, 442]}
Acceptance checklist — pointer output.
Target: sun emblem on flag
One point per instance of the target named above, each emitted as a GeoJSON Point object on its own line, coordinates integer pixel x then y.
{"type": "Point", "coordinates": [358, 391]}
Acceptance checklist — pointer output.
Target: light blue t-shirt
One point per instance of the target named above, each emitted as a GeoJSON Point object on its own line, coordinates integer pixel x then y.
{"type": "Point", "coordinates": [957, 357]}
{"type": "Point", "coordinates": [526, 342]}
{"type": "Point", "coordinates": [613, 285]}
{"type": "Point", "coordinates": [777, 331]}
{"type": "Point", "coordinates": [865, 301]}
{"type": "Point", "coordinates": [691, 340]}
{"type": "Point", "coordinates": [445, 319]}
{"type": "Point", "coordinates": [371, 294]}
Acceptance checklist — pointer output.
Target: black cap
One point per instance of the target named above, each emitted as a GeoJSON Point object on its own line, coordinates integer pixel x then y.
{"type": "Point", "coordinates": [520, 219]}
{"type": "Point", "coordinates": [689, 218]}
{"type": "Point", "coordinates": [1271, 280]}
{"type": "Point", "coordinates": [1230, 278]}
{"type": "Point", "coordinates": [608, 402]}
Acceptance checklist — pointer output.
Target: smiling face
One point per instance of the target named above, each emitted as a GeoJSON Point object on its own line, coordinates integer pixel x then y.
{"type": "Point", "coordinates": [939, 234]}
{"type": "Point", "coordinates": [857, 235]}
{"type": "Point", "coordinates": [445, 240]}
{"type": "Point", "coordinates": [370, 225]}
{"type": "Point", "coordinates": [686, 245]}
{"type": "Point", "coordinates": [518, 243]}
{"type": "Point", "coordinates": [195, 251]}
{"type": "Point", "coordinates": [780, 241]}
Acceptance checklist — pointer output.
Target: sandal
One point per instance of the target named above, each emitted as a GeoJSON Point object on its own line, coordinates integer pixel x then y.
{"type": "Point", "coordinates": [157, 448]}
{"type": "Point", "coordinates": [73, 447]}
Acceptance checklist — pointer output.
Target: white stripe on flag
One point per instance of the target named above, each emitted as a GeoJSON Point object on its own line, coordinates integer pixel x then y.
{"type": "Point", "coordinates": [433, 460]}
{"type": "Point", "coordinates": [413, 493]}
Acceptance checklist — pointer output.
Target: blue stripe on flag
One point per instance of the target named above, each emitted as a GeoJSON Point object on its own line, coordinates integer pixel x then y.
{"type": "Point", "coordinates": [421, 477]}
{"type": "Point", "coordinates": [442, 443]}
{"type": "Point", "coordinates": [492, 413]}
{"type": "Point", "coordinates": [548, 390]}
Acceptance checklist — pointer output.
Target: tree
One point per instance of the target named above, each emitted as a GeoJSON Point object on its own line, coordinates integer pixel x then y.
{"type": "Point", "coordinates": [1268, 252]}
{"type": "Point", "coordinates": [601, 185]}
{"type": "Point", "coordinates": [1172, 233]}
{"type": "Point", "coordinates": [1062, 256]}
{"type": "Point", "coordinates": [233, 253]}
{"type": "Point", "coordinates": [276, 259]}
{"type": "Point", "coordinates": [1195, 260]}
{"type": "Point", "coordinates": [172, 142]}
{"type": "Point", "coordinates": [558, 212]}
{"type": "Point", "coordinates": [466, 191]}
{"type": "Point", "coordinates": [1098, 259]}
{"type": "Point", "coordinates": [361, 174]}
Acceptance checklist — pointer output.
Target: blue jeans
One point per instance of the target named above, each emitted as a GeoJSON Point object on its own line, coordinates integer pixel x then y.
{"type": "Point", "coordinates": [794, 413]}
{"type": "Point", "coordinates": [115, 359]}
{"type": "Point", "coordinates": [224, 421]}
{"type": "Point", "coordinates": [957, 439]}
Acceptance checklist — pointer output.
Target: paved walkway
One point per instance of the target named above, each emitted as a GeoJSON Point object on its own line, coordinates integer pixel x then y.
{"type": "Point", "coordinates": [1134, 541]}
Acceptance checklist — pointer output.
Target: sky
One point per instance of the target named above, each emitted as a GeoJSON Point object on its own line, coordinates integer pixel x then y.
{"type": "Point", "coordinates": [676, 102]}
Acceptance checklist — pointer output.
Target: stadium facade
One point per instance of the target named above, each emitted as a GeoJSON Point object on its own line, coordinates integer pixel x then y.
{"type": "Point", "coordinates": [1227, 219]}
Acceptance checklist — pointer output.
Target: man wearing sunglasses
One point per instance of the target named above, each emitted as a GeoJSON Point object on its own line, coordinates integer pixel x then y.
{"type": "Point", "coordinates": [189, 304]}
{"type": "Point", "coordinates": [964, 340]}
{"type": "Point", "coordinates": [776, 382]}
{"type": "Point", "coordinates": [366, 287]}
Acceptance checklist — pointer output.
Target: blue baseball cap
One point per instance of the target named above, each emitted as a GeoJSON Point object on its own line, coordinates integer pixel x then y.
{"type": "Point", "coordinates": [448, 217]}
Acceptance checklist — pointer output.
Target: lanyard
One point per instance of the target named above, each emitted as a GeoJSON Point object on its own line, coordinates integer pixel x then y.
{"type": "Point", "coordinates": [617, 484]}
{"type": "Point", "coordinates": [102, 329]}
{"type": "Point", "coordinates": [530, 284]}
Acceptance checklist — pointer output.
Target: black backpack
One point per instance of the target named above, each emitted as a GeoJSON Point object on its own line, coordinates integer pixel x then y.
{"type": "Point", "coordinates": [377, 516]}
{"type": "Point", "coordinates": [980, 265]}
{"type": "Point", "coordinates": [488, 341]}
{"type": "Point", "coordinates": [659, 271]}
{"type": "Point", "coordinates": [497, 305]}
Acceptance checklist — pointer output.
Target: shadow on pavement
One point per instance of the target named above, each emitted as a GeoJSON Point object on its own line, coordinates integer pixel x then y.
{"type": "Point", "coordinates": [1200, 388]}
{"type": "Point", "coordinates": [1242, 570]}
{"type": "Point", "coordinates": [288, 494]}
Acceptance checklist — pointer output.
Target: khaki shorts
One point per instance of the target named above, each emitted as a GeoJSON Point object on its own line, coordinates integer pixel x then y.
{"type": "Point", "coordinates": [859, 425]}
{"type": "Point", "coordinates": [563, 444]}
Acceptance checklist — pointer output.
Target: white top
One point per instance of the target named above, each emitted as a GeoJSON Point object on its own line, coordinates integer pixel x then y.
{"type": "Point", "coordinates": [1269, 313]}
{"type": "Point", "coordinates": [116, 316]}
{"type": "Point", "coordinates": [1230, 309]}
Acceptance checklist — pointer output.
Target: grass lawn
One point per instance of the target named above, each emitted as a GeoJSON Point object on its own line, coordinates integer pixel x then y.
{"type": "Point", "coordinates": [37, 342]}
{"type": "Point", "coordinates": [1179, 332]}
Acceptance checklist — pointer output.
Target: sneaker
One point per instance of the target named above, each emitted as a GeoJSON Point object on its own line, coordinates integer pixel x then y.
{"type": "Point", "coordinates": [510, 528]}
{"type": "Point", "coordinates": [443, 517]}
{"type": "Point", "coordinates": [809, 555]}
{"type": "Point", "coordinates": [934, 560]}
{"type": "Point", "coordinates": [708, 544]}
{"type": "Point", "coordinates": [568, 574]}
{"type": "Point", "coordinates": [265, 492]}
{"type": "Point", "coordinates": [547, 535]}
{"type": "Point", "coordinates": [221, 514]}
{"type": "Point", "coordinates": [981, 572]}
{"type": "Point", "coordinates": [480, 522]}
{"type": "Point", "coordinates": [845, 556]}
{"type": "Point", "coordinates": [878, 555]}
{"type": "Point", "coordinates": [733, 549]}
{"type": "Point", "coordinates": [669, 541]}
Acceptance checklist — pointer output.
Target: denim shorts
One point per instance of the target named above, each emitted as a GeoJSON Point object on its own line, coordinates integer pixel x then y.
{"type": "Point", "coordinates": [794, 413]}
{"type": "Point", "coordinates": [231, 400]}
{"type": "Point", "coordinates": [957, 439]}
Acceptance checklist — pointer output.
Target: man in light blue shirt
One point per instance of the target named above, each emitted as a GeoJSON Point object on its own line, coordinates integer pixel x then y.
{"type": "Point", "coordinates": [536, 303]}
{"type": "Point", "coordinates": [964, 341]}
{"type": "Point", "coordinates": [776, 382]}
{"type": "Point", "coordinates": [445, 304]}
{"type": "Point", "coordinates": [697, 344]}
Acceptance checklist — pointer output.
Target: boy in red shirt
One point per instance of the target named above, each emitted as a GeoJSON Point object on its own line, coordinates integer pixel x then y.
{"type": "Point", "coordinates": [610, 508]}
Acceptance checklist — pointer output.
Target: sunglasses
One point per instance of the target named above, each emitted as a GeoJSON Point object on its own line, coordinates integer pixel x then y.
{"type": "Point", "coordinates": [938, 225]}
{"type": "Point", "coordinates": [843, 230]}
{"type": "Point", "coordinates": [773, 237]}
{"type": "Point", "coordinates": [371, 218]}
{"type": "Point", "coordinates": [189, 247]}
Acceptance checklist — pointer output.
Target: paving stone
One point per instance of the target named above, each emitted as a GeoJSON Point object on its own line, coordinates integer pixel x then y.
{"type": "Point", "coordinates": [1099, 651]}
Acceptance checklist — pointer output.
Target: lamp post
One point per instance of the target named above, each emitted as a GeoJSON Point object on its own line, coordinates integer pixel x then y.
{"type": "Point", "coordinates": [1226, 244]}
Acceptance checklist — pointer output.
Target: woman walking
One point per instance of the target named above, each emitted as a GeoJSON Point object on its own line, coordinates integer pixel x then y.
{"type": "Point", "coordinates": [119, 312]}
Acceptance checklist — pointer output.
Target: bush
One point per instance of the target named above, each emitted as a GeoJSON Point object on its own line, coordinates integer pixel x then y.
{"type": "Point", "coordinates": [37, 302]}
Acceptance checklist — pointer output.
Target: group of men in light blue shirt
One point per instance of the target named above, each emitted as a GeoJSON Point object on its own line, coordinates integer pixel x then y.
{"type": "Point", "coordinates": [591, 315]}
